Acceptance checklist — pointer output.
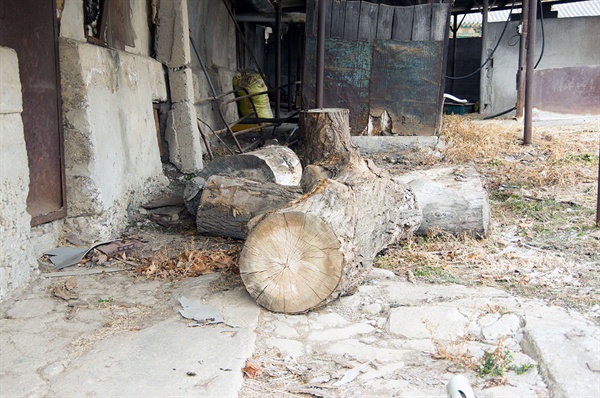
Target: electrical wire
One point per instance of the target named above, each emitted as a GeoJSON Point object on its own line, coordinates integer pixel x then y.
{"type": "Point", "coordinates": [543, 35]}
{"type": "Point", "coordinates": [500, 114]}
{"type": "Point", "coordinates": [493, 51]}
{"type": "Point", "coordinates": [536, 64]}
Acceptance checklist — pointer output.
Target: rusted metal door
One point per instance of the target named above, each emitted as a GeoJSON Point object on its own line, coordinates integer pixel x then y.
{"type": "Point", "coordinates": [380, 58]}
{"type": "Point", "coordinates": [30, 28]}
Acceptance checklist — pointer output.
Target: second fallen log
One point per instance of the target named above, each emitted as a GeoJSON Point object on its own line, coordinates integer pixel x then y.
{"type": "Point", "coordinates": [274, 164]}
{"type": "Point", "coordinates": [228, 203]}
{"type": "Point", "coordinates": [453, 200]}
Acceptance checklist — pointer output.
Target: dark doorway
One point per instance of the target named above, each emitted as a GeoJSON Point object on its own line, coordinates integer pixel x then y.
{"type": "Point", "coordinates": [30, 28]}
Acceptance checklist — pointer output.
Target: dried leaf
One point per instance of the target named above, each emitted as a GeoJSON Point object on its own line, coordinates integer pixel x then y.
{"type": "Point", "coordinates": [251, 370]}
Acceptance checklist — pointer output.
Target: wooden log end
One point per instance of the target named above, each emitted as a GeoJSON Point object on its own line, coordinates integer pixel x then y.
{"type": "Point", "coordinates": [291, 262]}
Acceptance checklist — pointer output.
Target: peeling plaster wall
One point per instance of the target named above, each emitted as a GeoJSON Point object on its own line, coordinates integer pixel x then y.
{"type": "Point", "coordinates": [17, 259]}
{"type": "Point", "coordinates": [111, 151]}
{"type": "Point", "coordinates": [569, 42]}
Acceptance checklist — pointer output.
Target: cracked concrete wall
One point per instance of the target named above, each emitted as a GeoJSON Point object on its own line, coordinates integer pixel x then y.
{"type": "Point", "coordinates": [17, 259]}
{"type": "Point", "coordinates": [173, 50]}
{"type": "Point", "coordinates": [111, 150]}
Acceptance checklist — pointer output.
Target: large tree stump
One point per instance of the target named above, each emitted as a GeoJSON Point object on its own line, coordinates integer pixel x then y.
{"type": "Point", "coordinates": [453, 200]}
{"type": "Point", "coordinates": [322, 245]}
{"type": "Point", "coordinates": [228, 203]}
{"type": "Point", "coordinates": [276, 164]}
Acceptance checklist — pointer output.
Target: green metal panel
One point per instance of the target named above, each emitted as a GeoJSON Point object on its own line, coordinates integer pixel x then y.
{"type": "Point", "coordinates": [347, 72]}
{"type": "Point", "coordinates": [405, 82]}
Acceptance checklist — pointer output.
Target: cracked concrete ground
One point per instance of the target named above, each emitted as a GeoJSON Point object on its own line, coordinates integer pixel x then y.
{"type": "Point", "coordinates": [124, 337]}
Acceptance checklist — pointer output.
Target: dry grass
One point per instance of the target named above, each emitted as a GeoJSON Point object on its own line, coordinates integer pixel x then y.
{"type": "Point", "coordinates": [543, 241]}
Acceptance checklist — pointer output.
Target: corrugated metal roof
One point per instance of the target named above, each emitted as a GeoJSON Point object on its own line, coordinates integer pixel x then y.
{"type": "Point", "coordinates": [567, 10]}
{"type": "Point", "coordinates": [579, 9]}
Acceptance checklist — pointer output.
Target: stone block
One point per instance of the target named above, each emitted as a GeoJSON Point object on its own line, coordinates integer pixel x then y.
{"type": "Point", "coordinates": [424, 322]}
{"type": "Point", "coordinates": [567, 357]}
{"type": "Point", "coordinates": [183, 137]}
{"type": "Point", "coordinates": [172, 34]}
{"type": "Point", "coordinates": [17, 261]}
{"type": "Point", "coordinates": [507, 325]}
{"type": "Point", "coordinates": [181, 85]}
{"type": "Point", "coordinates": [337, 334]}
{"type": "Point", "coordinates": [10, 82]}
{"type": "Point", "coordinates": [71, 21]}
{"type": "Point", "coordinates": [382, 144]}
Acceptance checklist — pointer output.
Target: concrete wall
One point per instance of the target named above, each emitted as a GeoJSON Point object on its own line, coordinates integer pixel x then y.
{"type": "Point", "coordinates": [173, 50]}
{"type": "Point", "coordinates": [112, 155]}
{"type": "Point", "coordinates": [569, 42]}
{"type": "Point", "coordinates": [111, 150]}
{"type": "Point", "coordinates": [17, 259]}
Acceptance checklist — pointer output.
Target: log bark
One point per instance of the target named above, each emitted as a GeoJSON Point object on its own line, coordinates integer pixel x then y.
{"type": "Point", "coordinates": [276, 164]}
{"type": "Point", "coordinates": [322, 245]}
{"type": "Point", "coordinates": [228, 203]}
{"type": "Point", "coordinates": [453, 200]}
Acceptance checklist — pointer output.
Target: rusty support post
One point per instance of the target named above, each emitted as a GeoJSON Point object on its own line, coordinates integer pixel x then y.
{"type": "Point", "coordinates": [484, 55]}
{"type": "Point", "coordinates": [598, 197]}
{"type": "Point", "coordinates": [278, 60]}
{"type": "Point", "coordinates": [289, 68]}
{"type": "Point", "coordinates": [522, 59]}
{"type": "Point", "coordinates": [454, 37]}
{"type": "Point", "coordinates": [299, 66]}
{"type": "Point", "coordinates": [320, 54]}
{"type": "Point", "coordinates": [528, 120]}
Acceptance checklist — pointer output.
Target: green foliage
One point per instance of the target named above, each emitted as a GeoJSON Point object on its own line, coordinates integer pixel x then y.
{"type": "Point", "coordinates": [434, 274]}
{"type": "Point", "coordinates": [494, 363]}
{"type": "Point", "coordinates": [107, 300]}
{"type": "Point", "coordinates": [521, 369]}
{"type": "Point", "coordinates": [498, 362]}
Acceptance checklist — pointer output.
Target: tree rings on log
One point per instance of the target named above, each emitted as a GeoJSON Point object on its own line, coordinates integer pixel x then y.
{"type": "Point", "coordinates": [291, 262]}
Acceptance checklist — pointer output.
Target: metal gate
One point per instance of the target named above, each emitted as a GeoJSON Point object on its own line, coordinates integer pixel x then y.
{"type": "Point", "coordinates": [30, 28]}
{"type": "Point", "coordinates": [379, 57]}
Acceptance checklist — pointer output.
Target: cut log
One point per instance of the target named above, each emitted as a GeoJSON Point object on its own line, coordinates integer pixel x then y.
{"type": "Point", "coordinates": [322, 245]}
{"type": "Point", "coordinates": [453, 200]}
{"type": "Point", "coordinates": [277, 164]}
{"type": "Point", "coordinates": [228, 203]}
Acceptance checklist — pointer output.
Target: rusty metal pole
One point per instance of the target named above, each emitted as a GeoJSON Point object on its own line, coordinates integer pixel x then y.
{"type": "Point", "coordinates": [454, 37]}
{"type": "Point", "coordinates": [484, 55]}
{"type": "Point", "coordinates": [522, 59]}
{"type": "Point", "coordinates": [598, 199]}
{"type": "Point", "coordinates": [320, 54]}
{"type": "Point", "coordinates": [278, 60]}
{"type": "Point", "coordinates": [528, 120]}
{"type": "Point", "coordinates": [290, 84]}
